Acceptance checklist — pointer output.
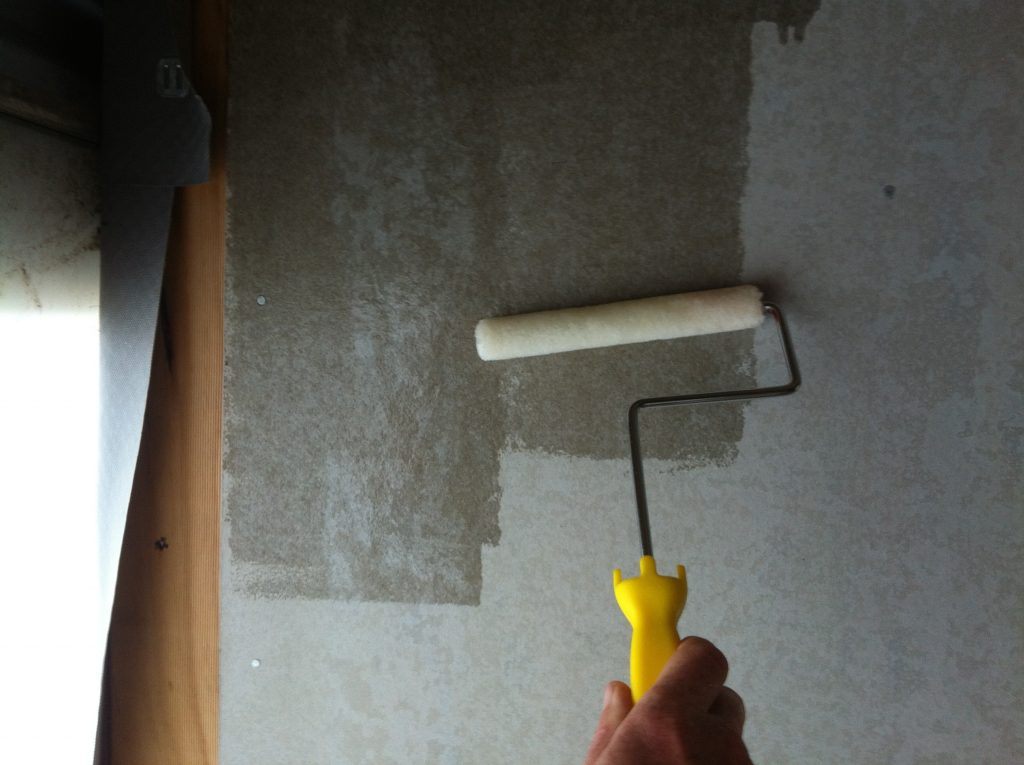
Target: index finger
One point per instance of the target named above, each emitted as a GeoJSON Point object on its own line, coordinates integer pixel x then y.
{"type": "Point", "coordinates": [692, 678]}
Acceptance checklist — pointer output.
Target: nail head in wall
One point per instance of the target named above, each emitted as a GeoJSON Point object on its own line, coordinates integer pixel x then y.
{"type": "Point", "coordinates": [889, 190]}
{"type": "Point", "coordinates": [261, 300]}
{"type": "Point", "coordinates": [161, 544]}
{"type": "Point", "coordinates": [255, 663]}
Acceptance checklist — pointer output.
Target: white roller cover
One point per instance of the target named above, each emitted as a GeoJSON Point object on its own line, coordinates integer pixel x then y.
{"type": "Point", "coordinates": [631, 321]}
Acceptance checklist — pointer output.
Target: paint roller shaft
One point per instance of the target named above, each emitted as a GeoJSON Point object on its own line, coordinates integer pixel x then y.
{"type": "Point", "coordinates": [666, 317]}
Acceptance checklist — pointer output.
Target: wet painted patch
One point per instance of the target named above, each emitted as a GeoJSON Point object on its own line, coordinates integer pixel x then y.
{"type": "Point", "coordinates": [399, 172]}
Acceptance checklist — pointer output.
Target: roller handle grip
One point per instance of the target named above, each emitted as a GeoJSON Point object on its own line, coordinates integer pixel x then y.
{"type": "Point", "coordinates": [653, 604]}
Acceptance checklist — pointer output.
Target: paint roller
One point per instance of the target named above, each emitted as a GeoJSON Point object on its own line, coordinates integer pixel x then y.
{"type": "Point", "coordinates": [651, 602]}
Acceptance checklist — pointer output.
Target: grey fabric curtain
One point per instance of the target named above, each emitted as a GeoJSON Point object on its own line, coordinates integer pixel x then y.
{"type": "Point", "coordinates": [155, 136]}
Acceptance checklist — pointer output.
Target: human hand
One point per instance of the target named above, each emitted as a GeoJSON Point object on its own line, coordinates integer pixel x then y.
{"type": "Point", "coordinates": [687, 717]}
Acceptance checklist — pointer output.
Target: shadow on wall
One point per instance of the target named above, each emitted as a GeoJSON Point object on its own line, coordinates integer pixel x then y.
{"type": "Point", "coordinates": [399, 171]}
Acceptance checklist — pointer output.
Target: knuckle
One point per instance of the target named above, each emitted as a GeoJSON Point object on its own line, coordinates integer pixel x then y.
{"type": "Point", "coordinates": [708, 652]}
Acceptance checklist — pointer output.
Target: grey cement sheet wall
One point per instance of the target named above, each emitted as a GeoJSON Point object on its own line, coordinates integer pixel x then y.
{"type": "Point", "coordinates": [418, 546]}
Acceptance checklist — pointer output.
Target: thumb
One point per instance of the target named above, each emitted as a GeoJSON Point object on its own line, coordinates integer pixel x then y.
{"type": "Point", "coordinates": [618, 700]}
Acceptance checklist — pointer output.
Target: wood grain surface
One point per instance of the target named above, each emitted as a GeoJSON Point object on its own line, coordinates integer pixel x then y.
{"type": "Point", "coordinates": [163, 681]}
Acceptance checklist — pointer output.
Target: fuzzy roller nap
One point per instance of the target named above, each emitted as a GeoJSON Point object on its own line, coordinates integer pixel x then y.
{"type": "Point", "coordinates": [631, 321]}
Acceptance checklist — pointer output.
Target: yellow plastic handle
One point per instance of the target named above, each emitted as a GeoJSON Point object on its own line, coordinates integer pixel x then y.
{"type": "Point", "coordinates": [653, 604]}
